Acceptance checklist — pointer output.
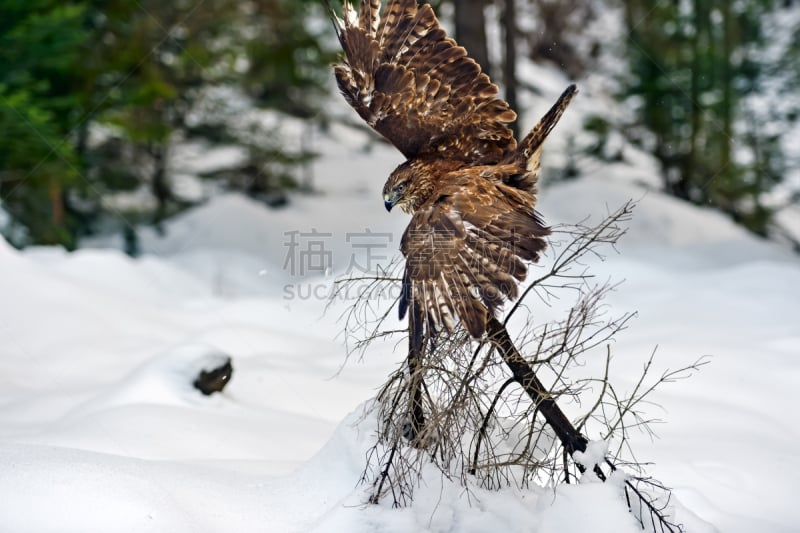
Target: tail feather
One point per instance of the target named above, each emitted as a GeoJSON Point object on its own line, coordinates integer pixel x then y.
{"type": "Point", "coordinates": [528, 154]}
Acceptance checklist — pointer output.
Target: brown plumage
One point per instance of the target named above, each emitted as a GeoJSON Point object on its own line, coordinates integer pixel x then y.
{"type": "Point", "coordinates": [470, 188]}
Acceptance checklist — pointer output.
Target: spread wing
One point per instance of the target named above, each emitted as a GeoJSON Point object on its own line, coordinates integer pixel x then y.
{"type": "Point", "coordinates": [465, 255]}
{"type": "Point", "coordinates": [417, 87]}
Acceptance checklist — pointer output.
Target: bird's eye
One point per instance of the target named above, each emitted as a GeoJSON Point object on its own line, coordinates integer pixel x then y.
{"type": "Point", "coordinates": [401, 187]}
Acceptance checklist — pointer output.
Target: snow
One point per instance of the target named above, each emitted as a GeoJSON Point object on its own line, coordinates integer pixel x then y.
{"type": "Point", "coordinates": [100, 429]}
{"type": "Point", "coordinates": [100, 425]}
{"type": "Point", "coordinates": [595, 454]}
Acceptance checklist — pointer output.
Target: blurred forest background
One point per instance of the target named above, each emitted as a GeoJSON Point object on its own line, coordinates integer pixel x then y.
{"type": "Point", "coordinates": [95, 96]}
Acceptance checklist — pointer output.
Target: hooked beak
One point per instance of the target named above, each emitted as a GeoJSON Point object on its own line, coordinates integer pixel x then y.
{"type": "Point", "coordinates": [389, 201]}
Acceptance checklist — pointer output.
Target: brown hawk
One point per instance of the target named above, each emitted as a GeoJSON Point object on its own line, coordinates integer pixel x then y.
{"type": "Point", "coordinates": [470, 188]}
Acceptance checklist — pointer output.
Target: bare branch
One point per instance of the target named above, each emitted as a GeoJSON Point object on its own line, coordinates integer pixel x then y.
{"type": "Point", "coordinates": [453, 404]}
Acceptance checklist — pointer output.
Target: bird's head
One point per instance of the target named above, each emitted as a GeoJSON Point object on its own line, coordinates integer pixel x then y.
{"type": "Point", "coordinates": [399, 188]}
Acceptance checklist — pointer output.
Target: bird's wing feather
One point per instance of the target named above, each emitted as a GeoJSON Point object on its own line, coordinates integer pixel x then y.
{"type": "Point", "coordinates": [465, 254]}
{"type": "Point", "coordinates": [417, 87]}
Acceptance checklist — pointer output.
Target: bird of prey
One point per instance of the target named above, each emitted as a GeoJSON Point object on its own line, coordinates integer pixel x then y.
{"type": "Point", "coordinates": [471, 189]}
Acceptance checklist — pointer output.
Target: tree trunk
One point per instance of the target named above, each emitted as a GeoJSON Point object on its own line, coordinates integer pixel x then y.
{"type": "Point", "coordinates": [524, 375]}
{"type": "Point", "coordinates": [689, 166]}
{"type": "Point", "coordinates": [470, 21]}
{"type": "Point", "coordinates": [726, 106]}
{"type": "Point", "coordinates": [56, 203]}
{"type": "Point", "coordinates": [160, 187]}
{"type": "Point", "coordinates": [510, 60]}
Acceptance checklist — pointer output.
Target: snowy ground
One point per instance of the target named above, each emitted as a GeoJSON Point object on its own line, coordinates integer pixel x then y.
{"type": "Point", "coordinates": [101, 431]}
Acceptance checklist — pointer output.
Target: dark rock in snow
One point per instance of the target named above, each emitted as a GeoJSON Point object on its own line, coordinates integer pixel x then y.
{"type": "Point", "coordinates": [214, 380]}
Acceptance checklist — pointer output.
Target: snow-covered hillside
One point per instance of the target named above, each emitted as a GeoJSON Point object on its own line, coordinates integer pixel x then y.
{"type": "Point", "coordinates": [101, 431]}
